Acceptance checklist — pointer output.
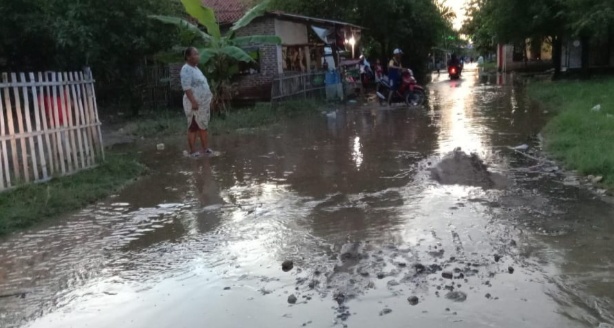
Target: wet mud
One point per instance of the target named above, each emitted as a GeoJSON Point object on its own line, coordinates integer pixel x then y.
{"type": "Point", "coordinates": [459, 168]}
{"type": "Point", "coordinates": [370, 218]}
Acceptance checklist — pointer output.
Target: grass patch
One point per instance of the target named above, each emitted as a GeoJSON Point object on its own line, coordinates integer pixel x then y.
{"type": "Point", "coordinates": [158, 124]}
{"type": "Point", "coordinates": [262, 114]}
{"type": "Point", "coordinates": [578, 136]}
{"type": "Point", "coordinates": [173, 123]}
{"type": "Point", "coordinates": [35, 203]}
{"type": "Point", "coordinates": [489, 66]}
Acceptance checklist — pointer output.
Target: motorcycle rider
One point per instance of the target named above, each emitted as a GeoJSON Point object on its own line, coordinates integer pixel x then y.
{"type": "Point", "coordinates": [395, 67]}
{"type": "Point", "coordinates": [396, 71]}
{"type": "Point", "coordinates": [400, 81]}
{"type": "Point", "coordinates": [395, 62]}
{"type": "Point", "coordinates": [455, 62]}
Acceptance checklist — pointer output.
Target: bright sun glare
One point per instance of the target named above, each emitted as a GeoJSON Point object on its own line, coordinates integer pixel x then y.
{"type": "Point", "coordinates": [459, 8]}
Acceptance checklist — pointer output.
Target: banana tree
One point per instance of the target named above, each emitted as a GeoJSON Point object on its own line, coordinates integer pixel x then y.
{"type": "Point", "coordinates": [219, 52]}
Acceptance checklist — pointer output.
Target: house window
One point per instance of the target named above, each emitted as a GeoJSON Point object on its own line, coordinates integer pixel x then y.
{"type": "Point", "coordinates": [253, 67]}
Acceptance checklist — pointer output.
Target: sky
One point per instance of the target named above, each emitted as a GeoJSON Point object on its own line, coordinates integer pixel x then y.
{"type": "Point", "coordinates": [458, 6]}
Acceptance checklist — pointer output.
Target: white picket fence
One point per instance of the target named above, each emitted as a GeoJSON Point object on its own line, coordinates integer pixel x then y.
{"type": "Point", "coordinates": [49, 126]}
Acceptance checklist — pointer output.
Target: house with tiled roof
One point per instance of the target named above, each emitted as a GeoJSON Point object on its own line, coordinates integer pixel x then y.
{"type": "Point", "coordinates": [302, 50]}
{"type": "Point", "coordinates": [228, 11]}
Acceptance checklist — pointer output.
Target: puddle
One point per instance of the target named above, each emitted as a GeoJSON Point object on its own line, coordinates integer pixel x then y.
{"type": "Point", "coordinates": [350, 200]}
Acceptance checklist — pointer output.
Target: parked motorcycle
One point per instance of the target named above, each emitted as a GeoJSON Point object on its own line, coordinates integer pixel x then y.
{"type": "Point", "coordinates": [406, 90]}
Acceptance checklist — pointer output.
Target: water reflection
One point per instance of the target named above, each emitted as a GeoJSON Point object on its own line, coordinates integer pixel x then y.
{"type": "Point", "coordinates": [356, 153]}
{"type": "Point", "coordinates": [345, 196]}
{"type": "Point", "coordinates": [459, 126]}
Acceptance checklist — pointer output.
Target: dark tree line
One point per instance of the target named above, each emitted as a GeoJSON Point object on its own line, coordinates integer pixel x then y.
{"type": "Point", "coordinates": [113, 37]}
{"type": "Point", "coordinates": [515, 21]}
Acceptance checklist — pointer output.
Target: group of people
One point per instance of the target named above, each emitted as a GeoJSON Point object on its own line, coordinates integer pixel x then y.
{"type": "Point", "coordinates": [377, 71]}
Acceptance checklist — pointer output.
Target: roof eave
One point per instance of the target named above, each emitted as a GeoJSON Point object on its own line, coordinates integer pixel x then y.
{"type": "Point", "coordinates": [283, 15]}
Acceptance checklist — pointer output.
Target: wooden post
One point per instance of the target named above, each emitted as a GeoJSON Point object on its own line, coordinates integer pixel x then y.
{"type": "Point", "coordinates": [88, 120]}
{"type": "Point", "coordinates": [307, 59]}
{"type": "Point", "coordinates": [5, 170]}
{"type": "Point", "coordinates": [64, 124]}
{"type": "Point", "coordinates": [11, 126]}
{"type": "Point", "coordinates": [91, 96]}
{"type": "Point", "coordinates": [77, 121]}
{"type": "Point", "coordinates": [26, 108]}
{"type": "Point", "coordinates": [95, 108]}
{"type": "Point", "coordinates": [37, 122]}
{"type": "Point", "coordinates": [22, 138]}
{"type": "Point", "coordinates": [53, 164]}
{"type": "Point", "coordinates": [82, 113]}
{"type": "Point", "coordinates": [557, 53]}
{"type": "Point", "coordinates": [92, 117]}
{"type": "Point", "coordinates": [51, 123]}
{"type": "Point", "coordinates": [57, 128]}
{"type": "Point", "coordinates": [68, 120]}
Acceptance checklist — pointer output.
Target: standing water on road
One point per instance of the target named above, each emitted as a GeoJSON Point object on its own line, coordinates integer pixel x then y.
{"type": "Point", "coordinates": [354, 201]}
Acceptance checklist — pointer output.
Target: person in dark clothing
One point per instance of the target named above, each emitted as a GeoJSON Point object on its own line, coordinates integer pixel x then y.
{"type": "Point", "coordinates": [454, 61]}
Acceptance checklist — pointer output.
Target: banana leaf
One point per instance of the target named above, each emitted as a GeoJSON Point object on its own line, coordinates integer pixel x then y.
{"type": "Point", "coordinates": [206, 54]}
{"type": "Point", "coordinates": [233, 52]}
{"type": "Point", "coordinates": [250, 15]}
{"type": "Point", "coordinates": [236, 53]}
{"type": "Point", "coordinates": [256, 39]}
{"type": "Point", "coordinates": [204, 15]}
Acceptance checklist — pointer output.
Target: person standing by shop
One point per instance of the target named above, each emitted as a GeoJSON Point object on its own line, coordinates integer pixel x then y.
{"type": "Point", "coordinates": [379, 71]}
{"type": "Point", "coordinates": [480, 64]}
{"type": "Point", "coordinates": [366, 73]}
{"type": "Point", "coordinates": [196, 102]}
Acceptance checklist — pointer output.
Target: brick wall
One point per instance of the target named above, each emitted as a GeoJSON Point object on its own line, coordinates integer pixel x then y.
{"type": "Point", "coordinates": [259, 83]}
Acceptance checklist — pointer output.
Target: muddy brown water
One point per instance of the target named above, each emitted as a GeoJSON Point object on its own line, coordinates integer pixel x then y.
{"type": "Point", "coordinates": [350, 200]}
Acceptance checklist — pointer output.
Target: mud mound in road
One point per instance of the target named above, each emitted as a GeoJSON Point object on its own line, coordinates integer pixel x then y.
{"type": "Point", "coordinates": [458, 168]}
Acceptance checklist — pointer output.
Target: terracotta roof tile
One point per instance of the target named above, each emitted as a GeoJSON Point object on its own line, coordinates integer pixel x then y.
{"type": "Point", "coordinates": [227, 11]}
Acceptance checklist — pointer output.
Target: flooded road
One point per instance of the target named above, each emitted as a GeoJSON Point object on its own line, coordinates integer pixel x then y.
{"type": "Point", "coordinates": [348, 198]}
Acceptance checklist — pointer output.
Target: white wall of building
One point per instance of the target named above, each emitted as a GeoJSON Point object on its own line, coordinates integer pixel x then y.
{"type": "Point", "coordinates": [291, 33]}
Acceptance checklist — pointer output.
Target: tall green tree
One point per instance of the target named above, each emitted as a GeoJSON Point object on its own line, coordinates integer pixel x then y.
{"type": "Point", "coordinates": [478, 26]}
{"type": "Point", "coordinates": [594, 18]}
{"type": "Point", "coordinates": [515, 21]}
